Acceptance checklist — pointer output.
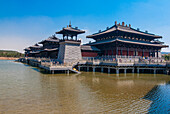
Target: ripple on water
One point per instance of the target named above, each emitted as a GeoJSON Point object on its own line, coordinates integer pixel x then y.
{"type": "Point", "coordinates": [26, 90]}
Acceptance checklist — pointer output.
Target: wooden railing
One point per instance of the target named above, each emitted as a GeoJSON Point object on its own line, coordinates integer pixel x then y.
{"type": "Point", "coordinates": [97, 60]}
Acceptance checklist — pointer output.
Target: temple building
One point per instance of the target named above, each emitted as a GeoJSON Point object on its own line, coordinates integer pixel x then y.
{"type": "Point", "coordinates": [50, 47]}
{"type": "Point", "coordinates": [33, 51]}
{"type": "Point", "coordinates": [88, 51]}
{"type": "Point", "coordinates": [120, 40]}
{"type": "Point", "coordinates": [123, 40]}
{"type": "Point", "coordinates": [119, 48]}
{"type": "Point", "coordinates": [69, 50]}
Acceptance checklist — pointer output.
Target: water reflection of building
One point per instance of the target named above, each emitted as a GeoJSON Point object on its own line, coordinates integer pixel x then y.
{"type": "Point", "coordinates": [125, 94]}
{"type": "Point", "coordinates": [159, 95]}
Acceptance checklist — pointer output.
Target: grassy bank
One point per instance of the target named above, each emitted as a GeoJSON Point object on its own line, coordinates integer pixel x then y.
{"type": "Point", "coordinates": [10, 55]}
{"type": "Point", "coordinates": [166, 57]}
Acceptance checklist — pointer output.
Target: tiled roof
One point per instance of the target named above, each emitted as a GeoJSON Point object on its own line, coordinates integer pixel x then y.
{"type": "Point", "coordinates": [124, 29]}
{"type": "Point", "coordinates": [35, 46]}
{"type": "Point", "coordinates": [89, 48]}
{"type": "Point", "coordinates": [70, 29]}
{"type": "Point", "coordinates": [50, 39]}
{"type": "Point", "coordinates": [128, 41]}
{"type": "Point", "coordinates": [34, 52]}
{"type": "Point", "coordinates": [50, 49]}
{"type": "Point", "coordinates": [27, 49]}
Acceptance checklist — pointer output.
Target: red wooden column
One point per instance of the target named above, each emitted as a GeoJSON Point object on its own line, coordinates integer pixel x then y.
{"type": "Point", "coordinates": [121, 51]}
{"type": "Point", "coordinates": [128, 51]}
{"type": "Point", "coordinates": [135, 51]}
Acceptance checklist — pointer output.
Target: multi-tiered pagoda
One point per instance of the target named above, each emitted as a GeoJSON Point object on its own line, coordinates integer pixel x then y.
{"type": "Point", "coordinates": [118, 40]}
{"type": "Point", "coordinates": [123, 40]}
{"type": "Point", "coordinates": [50, 47]}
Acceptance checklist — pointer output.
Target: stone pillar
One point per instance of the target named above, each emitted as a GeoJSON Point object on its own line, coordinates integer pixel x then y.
{"type": "Point", "coordinates": [79, 68]}
{"type": "Point", "coordinates": [67, 71]}
{"type": "Point", "coordinates": [133, 70]}
{"type": "Point", "coordinates": [117, 71]}
{"type": "Point", "coordinates": [167, 72]}
{"type": "Point", "coordinates": [109, 70]}
{"type": "Point", "coordinates": [125, 70]}
{"type": "Point", "coordinates": [94, 69]}
{"type": "Point", "coordinates": [138, 70]}
{"type": "Point", "coordinates": [154, 71]}
{"type": "Point", "coordinates": [102, 69]}
{"type": "Point", "coordinates": [87, 69]}
{"type": "Point", "coordinates": [52, 71]}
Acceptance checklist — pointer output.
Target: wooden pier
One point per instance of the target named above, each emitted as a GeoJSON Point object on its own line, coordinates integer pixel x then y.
{"type": "Point", "coordinates": [125, 65]}
{"type": "Point", "coordinates": [49, 66]}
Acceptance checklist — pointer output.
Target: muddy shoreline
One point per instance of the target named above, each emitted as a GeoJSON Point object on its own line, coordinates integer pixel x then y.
{"type": "Point", "coordinates": [8, 58]}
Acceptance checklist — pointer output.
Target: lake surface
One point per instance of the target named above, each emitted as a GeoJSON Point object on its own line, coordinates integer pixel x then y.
{"type": "Point", "coordinates": [24, 89]}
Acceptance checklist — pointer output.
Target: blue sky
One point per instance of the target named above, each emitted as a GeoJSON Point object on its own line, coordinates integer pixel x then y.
{"type": "Point", "coordinates": [24, 23]}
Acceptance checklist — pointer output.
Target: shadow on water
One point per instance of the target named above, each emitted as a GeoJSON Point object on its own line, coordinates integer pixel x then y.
{"type": "Point", "coordinates": [36, 69]}
{"type": "Point", "coordinates": [42, 71]}
{"type": "Point", "coordinates": [160, 97]}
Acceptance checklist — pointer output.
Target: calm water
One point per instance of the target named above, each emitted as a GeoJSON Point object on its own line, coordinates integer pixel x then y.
{"type": "Point", "coordinates": [23, 89]}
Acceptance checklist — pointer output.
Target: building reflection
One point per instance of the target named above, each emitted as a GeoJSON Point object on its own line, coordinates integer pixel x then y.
{"type": "Point", "coordinates": [159, 95]}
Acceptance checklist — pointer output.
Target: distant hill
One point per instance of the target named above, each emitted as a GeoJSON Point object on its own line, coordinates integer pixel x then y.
{"type": "Point", "coordinates": [9, 53]}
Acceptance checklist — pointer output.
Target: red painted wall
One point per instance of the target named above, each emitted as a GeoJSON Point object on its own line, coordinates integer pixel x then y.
{"type": "Point", "coordinates": [139, 53]}
{"type": "Point", "coordinates": [124, 52]}
{"type": "Point", "coordinates": [146, 54]}
{"type": "Point", "coordinates": [89, 54]}
{"type": "Point", "coordinates": [131, 53]}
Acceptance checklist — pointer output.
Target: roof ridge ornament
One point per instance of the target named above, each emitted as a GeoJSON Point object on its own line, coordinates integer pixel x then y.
{"type": "Point", "coordinates": [123, 23]}
{"type": "Point", "coordinates": [70, 24]}
{"type": "Point", "coordinates": [115, 22]}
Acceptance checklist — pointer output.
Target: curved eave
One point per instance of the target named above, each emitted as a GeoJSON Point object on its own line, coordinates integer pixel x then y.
{"type": "Point", "coordinates": [139, 43]}
{"type": "Point", "coordinates": [35, 52]}
{"type": "Point", "coordinates": [42, 42]}
{"type": "Point", "coordinates": [131, 31]}
{"type": "Point", "coordinates": [101, 33]}
{"type": "Point", "coordinates": [65, 30]}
